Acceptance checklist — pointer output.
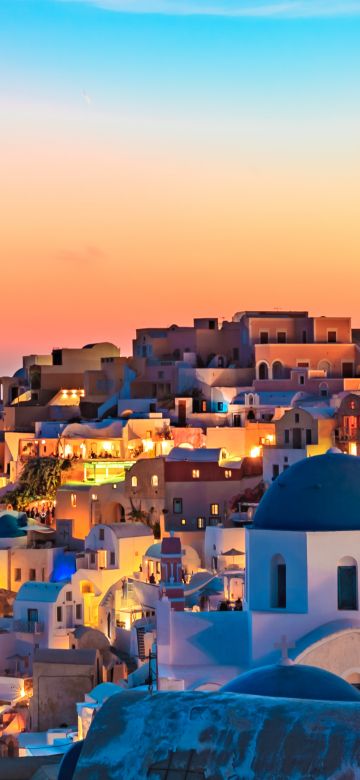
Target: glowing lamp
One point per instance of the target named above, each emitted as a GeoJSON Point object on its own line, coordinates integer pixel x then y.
{"type": "Point", "coordinates": [255, 452]}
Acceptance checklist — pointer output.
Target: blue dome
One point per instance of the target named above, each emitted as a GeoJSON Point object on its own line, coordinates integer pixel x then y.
{"type": "Point", "coordinates": [295, 681]}
{"type": "Point", "coordinates": [321, 493]}
{"type": "Point", "coordinates": [11, 524]}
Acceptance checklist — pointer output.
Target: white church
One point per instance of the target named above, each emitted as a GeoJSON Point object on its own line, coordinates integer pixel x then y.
{"type": "Point", "coordinates": [302, 583]}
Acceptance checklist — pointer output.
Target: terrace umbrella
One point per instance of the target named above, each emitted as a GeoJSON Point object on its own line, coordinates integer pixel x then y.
{"type": "Point", "coordinates": [233, 552]}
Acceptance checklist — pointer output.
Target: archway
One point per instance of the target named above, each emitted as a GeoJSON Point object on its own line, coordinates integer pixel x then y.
{"type": "Point", "coordinates": [263, 370]}
{"type": "Point", "coordinates": [278, 582]}
{"type": "Point", "coordinates": [277, 370]}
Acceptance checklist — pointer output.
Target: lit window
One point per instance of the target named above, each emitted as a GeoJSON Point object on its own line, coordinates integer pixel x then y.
{"type": "Point", "coordinates": [94, 497]}
{"type": "Point", "coordinates": [183, 521]}
{"type": "Point", "coordinates": [196, 474]}
{"type": "Point", "coordinates": [201, 522]}
{"type": "Point", "coordinates": [228, 474]}
{"type": "Point", "coordinates": [155, 480]}
{"type": "Point", "coordinates": [214, 509]}
{"type": "Point", "coordinates": [73, 500]}
{"type": "Point", "coordinates": [134, 481]}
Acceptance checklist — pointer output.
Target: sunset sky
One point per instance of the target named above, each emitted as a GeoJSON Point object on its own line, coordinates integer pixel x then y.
{"type": "Point", "coordinates": [183, 159]}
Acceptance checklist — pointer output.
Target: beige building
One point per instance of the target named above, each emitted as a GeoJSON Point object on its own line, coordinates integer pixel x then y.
{"type": "Point", "coordinates": [61, 678]}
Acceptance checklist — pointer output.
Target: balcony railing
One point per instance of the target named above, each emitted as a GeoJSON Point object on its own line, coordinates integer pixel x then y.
{"type": "Point", "coordinates": [29, 626]}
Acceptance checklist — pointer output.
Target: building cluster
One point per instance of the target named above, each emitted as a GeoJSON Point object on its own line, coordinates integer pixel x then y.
{"type": "Point", "coordinates": [177, 520]}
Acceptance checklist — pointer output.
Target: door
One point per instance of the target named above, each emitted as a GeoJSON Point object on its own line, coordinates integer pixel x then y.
{"type": "Point", "coordinates": [182, 413]}
{"type": "Point", "coordinates": [69, 616]}
{"type": "Point", "coordinates": [297, 438]}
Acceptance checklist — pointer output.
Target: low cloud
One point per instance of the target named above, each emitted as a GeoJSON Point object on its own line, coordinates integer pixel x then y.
{"type": "Point", "coordinates": [288, 9]}
{"type": "Point", "coordinates": [83, 257]}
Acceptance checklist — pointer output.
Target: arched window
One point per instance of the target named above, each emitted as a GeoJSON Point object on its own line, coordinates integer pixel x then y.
{"type": "Point", "coordinates": [324, 365]}
{"type": "Point", "coordinates": [324, 389]}
{"type": "Point", "coordinates": [278, 582]}
{"type": "Point", "coordinates": [347, 583]}
{"type": "Point", "coordinates": [277, 370]}
{"type": "Point", "coordinates": [250, 400]}
{"type": "Point", "coordinates": [154, 480]}
{"type": "Point", "coordinates": [263, 371]}
{"type": "Point", "coordinates": [134, 481]}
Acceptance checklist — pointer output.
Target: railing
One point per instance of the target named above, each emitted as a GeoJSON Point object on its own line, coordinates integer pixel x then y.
{"type": "Point", "coordinates": [29, 626]}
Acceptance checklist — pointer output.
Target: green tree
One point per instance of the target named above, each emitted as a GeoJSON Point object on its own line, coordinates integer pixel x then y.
{"type": "Point", "coordinates": [38, 481]}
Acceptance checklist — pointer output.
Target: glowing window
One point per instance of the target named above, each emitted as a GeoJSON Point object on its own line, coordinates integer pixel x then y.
{"type": "Point", "coordinates": [201, 522]}
{"type": "Point", "coordinates": [155, 480]}
{"type": "Point", "coordinates": [73, 500]}
{"type": "Point", "coordinates": [196, 473]}
{"type": "Point", "coordinates": [183, 521]}
{"type": "Point", "coordinates": [134, 481]}
{"type": "Point", "coordinates": [214, 509]}
{"type": "Point", "coordinates": [228, 473]}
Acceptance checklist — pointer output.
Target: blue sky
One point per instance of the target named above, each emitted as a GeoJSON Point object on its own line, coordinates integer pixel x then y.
{"type": "Point", "coordinates": [134, 144]}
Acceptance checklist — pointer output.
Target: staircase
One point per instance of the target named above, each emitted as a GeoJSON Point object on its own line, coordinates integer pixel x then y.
{"type": "Point", "coordinates": [140, 632]}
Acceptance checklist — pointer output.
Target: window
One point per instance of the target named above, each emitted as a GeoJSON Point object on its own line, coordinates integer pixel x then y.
{"type": "Point", "coordinates": [211, 324]}
{"type": "Point", "coordinates": [59, 614]}
{"type": "Point", "coordinates": [201, 522]}
{"type": "Point", "coordinates": [183, 521]}
{"type": "Point", "coordinates": [78, 612]}
{"type": "Point", "coordinates": [250, 400]}
{"type": "Point", "coordinates": [32, 575]}
{"type": "Point", "coordinates": [263, 371]}
{"type": "Point", "coordinates": [155, 480]}
{"type": "Point", "coordinates": [275, 471]}
{"type": "Point", "coordinates": [196, 474]}
{"type": "Point", "coordinates": [237, 421]}
{"type": "Point", "coordinates": [347, 370]}
{"type": "Point", "coordinates": [73, 500]}
{"type": "Point", "coordinates": [177, 506]}
{"type": "Point", "coordinates": [297, 417]}
{"type": "Point", "coordinates": [277, 370]}
{"type": "Point", "coordinates": [286, 436]}
{"type": "Point", "coordinates": [214, 510]}
{"type": "Point", "coordinates": [236, 353]}
{"type": "Point", "coordinates": [347, 584]}
{"type": "Point", "coordinates": [17, 575]}
{"type": "Point", "coordinates": [112, 559]}
{"type": "Point", "coordinates": [33, 615]}
{"type": "Point", "coordinates": [92, 557]}
{"type": "Point", "coordinates": [281, 337]}
{"type": "Point", "coordinates": [308, 436]}
{"type": "Point", "coordinates": [220, 406]}
{"type": "Point", "coordinates": [301, 379]}
{"type": "Point", "coordinates": [278, 582]}
{"type": "Point", "coordinates": [68, 596]}
{"type": "Point", "coordinates": [134, 482]}
{"type": "Point", "coordinates": [332, 336]}
{"type": "Point", "coordinates": [101, 534]}
{"type": "Point", "coordinates": [264, 337]}
{"type": "Point", "coordinates": [228, 473]}
{"type": "Point", "coordinates": [94, 497]}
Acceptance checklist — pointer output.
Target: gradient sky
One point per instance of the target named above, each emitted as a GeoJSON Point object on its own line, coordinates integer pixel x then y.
{"type": "Point", "coordinates": [197, 159]}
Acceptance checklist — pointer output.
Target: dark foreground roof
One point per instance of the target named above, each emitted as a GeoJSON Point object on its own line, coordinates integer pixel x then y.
{"type": "Point", "coordinates": [220, 735]}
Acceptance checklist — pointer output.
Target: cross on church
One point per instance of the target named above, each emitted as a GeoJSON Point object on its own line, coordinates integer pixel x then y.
{"type": "Point", "coordinates": [284, 645]}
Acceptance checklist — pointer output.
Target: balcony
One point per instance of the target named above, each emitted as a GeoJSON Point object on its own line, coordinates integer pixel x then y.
{"type": "Point", "coordinates": [28, 626]}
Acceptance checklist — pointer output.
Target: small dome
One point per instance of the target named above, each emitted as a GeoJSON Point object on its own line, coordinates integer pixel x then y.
{"type": "Point", "coordinates": [154, 551]}
{"type": "Point", "coordinates": [321, 493]}
{"type": "Point", "coordinates": [11, 524]}
{"type": "Point", "coordinates": [295, 681]}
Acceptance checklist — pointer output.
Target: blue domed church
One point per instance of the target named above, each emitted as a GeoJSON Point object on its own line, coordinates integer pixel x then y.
{"type": "Point", "coordinates": [302, 567]}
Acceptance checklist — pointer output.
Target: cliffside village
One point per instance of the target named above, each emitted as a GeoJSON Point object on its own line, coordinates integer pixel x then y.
{"type": "Point", "coordinates": [172, 520]}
